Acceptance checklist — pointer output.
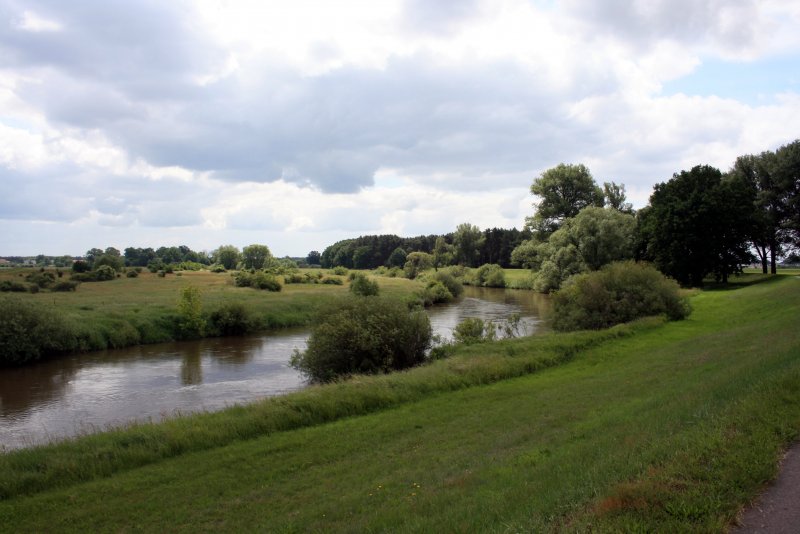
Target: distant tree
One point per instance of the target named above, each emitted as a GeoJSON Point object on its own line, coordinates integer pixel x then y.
{"type": "Point", "coordinates": [443, 253]}
{"type": "Point", "coordinates": [255, 256]}
{"type": "Point", "coordinates": [115, 262]}
{"type": "Point", "coordinates": [397, 258]}
{"type": "Point", "coordinates": [362, 257]}
{"type": "Point", "coordinates": [696, 225]}
{"type": "Point", "coordinates": [467, 242]}
{"type": "Point", "coordinates": [787, 174]}
{"type": "Point", "coordinates": [227, 255]}
{"type": "Point", "coordinates": [92, 254]}
{"type": "Point", "coordinates": [313, 258]}
{"type": "Point", "coordinates": [139, 257]}
{"type": "Point", "coordinates": [564, 191]}
{"type": "Point", "coordinates": [614, 195]}
{"type": "Point", "coordinates": [111, 251]}
{"type": "Point", "coordinates": [63, 261]}
{"type": "Point", "coordinates": [416, 262]}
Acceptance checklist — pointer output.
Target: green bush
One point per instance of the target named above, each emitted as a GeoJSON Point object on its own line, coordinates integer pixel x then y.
{"type": "Point", "coordinates": [80, 266]}
{"type": "Point", "coordinates": [454, 286]}
{"type": "Point", "coordinates": [66, 285]}
{"type": "Point", "coordinates": [30, 331]}
{"type": "Point", "coordinates": [132, 274]}
{"type": "Point", "coordinates": [13, 286]}
{"type": "Point", "coordinates": [217, 268]}
{"type": "Point", "coordinates": [618, 293]}
{"type": "Point", "coordinates": [295, 278]}
{"type": "Point", "coordinates": [339, 271]}
{"type": "Point", "coordinates": [435, 293]}
{"type": "Point", "coordinates": [363, 286]}
{"type": "Point", "coordinates": [257, 280]}
{"type": "Point", "coordinates": [490, 275]}
{"type": "Point", "coordinates": [363, 335]}
{"type": "Point", "coordinates": [231, 319]}
{"type": "Point", "coordinates": [190, 313]}
{"type": "Point", "coordinates": [41, 279]}
{"type": "Point", "coordinates": [332, 281]}
{"type": "Point", "coordinates": [473, 330]}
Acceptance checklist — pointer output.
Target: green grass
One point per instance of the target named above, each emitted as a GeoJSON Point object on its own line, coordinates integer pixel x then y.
{"type": "Point", "coordinates": [652, 427]}
{"type": "Point", "coordinates": [129, 311]}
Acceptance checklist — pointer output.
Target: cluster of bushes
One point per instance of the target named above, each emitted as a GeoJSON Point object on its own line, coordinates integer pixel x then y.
{"type": "Point", "coordinates": [362, 286]}
{"type": "Point", "coordinates": [303, 278]}
{"type": "Point", "coordinates": [487, 275]}
{"type": "Point", "coordinates": [440, 287]}
{"type": "Point", "coordinates": [390, 272]}
{"type": "Point", "coordinates": [101, 274]}
{"type": "Point", "coordinates": [257, 280]}
{"type": "Point", "coordinates": [618, 293]}
{"type": "Point", "coordinates": [12, 286]}
{"type": "Point", "coordinates": [364, 335]}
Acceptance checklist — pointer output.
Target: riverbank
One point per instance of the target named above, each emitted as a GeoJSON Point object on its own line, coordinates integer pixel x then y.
{"type": "Point", "coordinates": [144, 310]}
{"type": "Point", "coordinates": [644, 427]}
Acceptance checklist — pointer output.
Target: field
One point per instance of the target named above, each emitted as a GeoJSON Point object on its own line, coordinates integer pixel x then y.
{"type": "Point", "coordinates": [647, 427]}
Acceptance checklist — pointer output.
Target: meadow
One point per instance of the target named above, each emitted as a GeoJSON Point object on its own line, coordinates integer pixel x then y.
{"type": "Point", "coordinates": [649, 426]}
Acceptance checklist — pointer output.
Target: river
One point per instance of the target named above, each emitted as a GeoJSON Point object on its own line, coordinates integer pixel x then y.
{"type": "Point", "coordinates": [95, 391]}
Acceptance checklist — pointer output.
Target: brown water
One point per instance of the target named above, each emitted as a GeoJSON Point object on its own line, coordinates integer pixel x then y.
{"type": "Point", "coordinates": [99, 390]}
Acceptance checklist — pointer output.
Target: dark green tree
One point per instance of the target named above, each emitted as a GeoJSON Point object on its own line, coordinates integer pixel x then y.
{"type": "Point", "coordinates": [313, 258]}
{"type": "Point", "coordinates": [256, 256]}
{"type": "Point", "coordinates": [563, 191]}
{"type": "Point", "coordinates": [467, 243]}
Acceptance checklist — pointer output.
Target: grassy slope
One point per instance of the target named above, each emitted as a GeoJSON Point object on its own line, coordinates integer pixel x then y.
{"type": "Point", "coordinates": [671, 429]}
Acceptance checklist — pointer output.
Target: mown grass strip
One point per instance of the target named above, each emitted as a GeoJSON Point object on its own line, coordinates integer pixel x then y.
{"type": "Point", "coordinates": [643, 424]}
{"type": "Point", "coordinates": [101, 455]}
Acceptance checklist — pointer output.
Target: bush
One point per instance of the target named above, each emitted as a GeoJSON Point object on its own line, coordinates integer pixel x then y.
{"type": "Point", "coordinates": [257, 280]}
{"type": "Point", "coordinates": [358, 335]}
{"type": "Point", "coordinates": [132, 274]}
{"type": "Point", "coordinates": [66, 285]}
{"type": "Point", "coordinates": [454, 286]}
{"type": "Point", "coordinates": [217, 268]}
{"type": "Point", "coordinates": [80, 266]}
{"type": "Point", "coordinates": [333, 281]}
{"type": "Point", "coordinates": [473, 330]}
{"type": "Point", "coordinates": [490, 275]}
{"type": "Point", "coordinates": [435, 293]}
{"type": "Point", "coordinates": [231, 319]}
{"type": "Point", "coordinates": [104, 273]}
{"type": "Point", "coordinates": [363, 286]}
{"type": "Point", "coordinates": [29, 331]}
{"type": "Point", "coordinates": [618, 293]}
{"type": "Point", "coordinates": [190, 313]}
{"type": "Point", "coordinates": [41, 279]}
{"type": "Point", "coordinates": [339, 270]}
{"type": "Point", "coordinates": [295, 278]}
{"type": "Point", "coordinates": [13, 286]}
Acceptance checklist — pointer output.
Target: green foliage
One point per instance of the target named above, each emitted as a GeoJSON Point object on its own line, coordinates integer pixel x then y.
{"type": "Point", "coordinates": [256, 256]}
{"type": "Point", "coordinates": [257, 280]}
{"type": "Point", "coordinates": [474, 330]}
{"type": "Point", "coordinates": [111, 260]}
{"type": "Point", "coordinates": [358, 335]}
{"type": "Point", "coordinates": [339, 270]}
{"type": "Point", "coordinates": [332, 280]}
{"type": "Point", "coordinates": [131, 273]}
{"type": "Point", "coordinates": [434, 293]}
{"type": "Point", "coordinates": [314, 258]}
{"type": "Point", "coordinates": [190, 313]}
{"type": "Point", "coordinates": [12, 286]}
{"type": "Point", "coordinates": [227, 255]}
{"type": "Point", "coordinates": [232, 319]}
{"type": "Point", "coordinates": [416, 263]}
{"type": "Point", "coordinates": [397, 258]}
{"type": "Point", "coordinates": [65, 285]}
{"type": "Point", "coordinates": [80, 266]}
{"type": "Point", "coordinates": [443, 253]}
{"type": "Point", "coordinates": [489, 275]}
{"type": "Point", "coordinates": [467, 243]}
{"type": "Point", "coordinates": [104, 273]}
{"type": "Point", "coordinates": [564, 191]}
{"type": "Point", "coordinates": [217, 268]}
{"type": "Point", "coordinates": [449, 281]}
{"type": "Point", "coordinates": [41, 279]}
{"type": "Point", "coordinates": [30, 331]}
{"type": "Point", "coordinates": [618, 293]}
{"type": "Point", "coordinates": [363, 286]}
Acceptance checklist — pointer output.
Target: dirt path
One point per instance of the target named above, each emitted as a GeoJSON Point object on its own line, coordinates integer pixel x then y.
{"type": "Point", "coordinates": [777, 510]}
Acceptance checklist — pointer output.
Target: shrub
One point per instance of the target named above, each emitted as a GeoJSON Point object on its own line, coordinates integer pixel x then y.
{"type": "Point", "coordinates": [190, 313]}
{"type": "Point", "coordinates": [217, 268]}
{"type": "Point", "coordinates": [490, 275]}
{"type": "Point", "coordinates": [66, 285]}
{"type": "Point", "coordinates": [231, 319]}
{"type": "Point", "coordinates": [29, 331]}
{"type": "Point", "coordinates": [104, 272]}
{"type": "Point", "coordinates": [339, 270]}
{"type": "Point", "coordinates": [618, 293]}
{"type": "Point", "coordinates": [80, 266]}
{"type": "Point", "coordinates": [295, 278]}
{"type": "Point", "coordinates": [358, 335]}
{"type": "Point", "coordinates": [435, 293]}
{"type": "Point", "coordinates": [41, 279]}
{"type": "Point", "coordinates": [132, 274]}
{"type": "Point", "coordinates": [13, 286]}
{"type": "Point", "coordinates": [454, 286]}
{"type": "Point", "coordinates": [332, 280]}
{"type": "Point", "coordinates": [262, 280]}
{"type": "Point", "coordinates": [363, 286]}
{"type": "Point", "coordinates": [473, 330]}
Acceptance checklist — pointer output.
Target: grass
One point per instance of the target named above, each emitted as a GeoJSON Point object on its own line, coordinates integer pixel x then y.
{"type": "Point", "coordinates": [129, 311]}
{"type": "Point", "coordinates": [646, 427]}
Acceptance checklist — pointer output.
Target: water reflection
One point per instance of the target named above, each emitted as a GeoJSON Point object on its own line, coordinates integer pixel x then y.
{"type": "Point", "coordinates": [98, 390]}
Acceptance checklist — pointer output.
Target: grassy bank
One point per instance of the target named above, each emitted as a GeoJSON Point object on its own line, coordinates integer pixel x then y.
{"type": "Point", "coordinates": [655, 427]}
{"type": "Point", "coordinates": [130, 311]}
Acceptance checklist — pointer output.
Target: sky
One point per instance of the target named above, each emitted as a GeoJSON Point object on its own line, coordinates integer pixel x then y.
{"type": "Point", "coordinates": [298, 124]}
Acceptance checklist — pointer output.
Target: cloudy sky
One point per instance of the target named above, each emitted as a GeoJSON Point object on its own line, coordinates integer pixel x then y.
{"type": "Point", "coordinates": [296, 124]}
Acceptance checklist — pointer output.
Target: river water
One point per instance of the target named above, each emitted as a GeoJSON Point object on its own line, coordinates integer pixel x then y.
{"type": "Point", "coordinates": [95, 391]}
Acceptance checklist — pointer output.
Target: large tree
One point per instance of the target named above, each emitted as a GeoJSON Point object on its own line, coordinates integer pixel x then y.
{"type": "Point", "coordinates": [255, 256]}
{"type": "Point", "coordinates": [697, 224]}
{"type": "Point", "coordinates": [227, 255]}
{"type": "Point", "coordinates": [563, 191]}
{"type": "Point", "coordinates": [467, 242]}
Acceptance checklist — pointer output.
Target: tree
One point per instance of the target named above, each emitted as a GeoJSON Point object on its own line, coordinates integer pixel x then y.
{"type": "Point", "coordinates": [443, 253]}
{"type": "Point", "coordinates": [397, 258]}
{"type": "Point", "coordinates": [362, 257]}
{"type": "Point", "coordinates": [586, 242]}
{"type": "Point", "coordinates": [787, 175]}
{"type": "Point", "coordinates": [115, 262]}
{"type": "Point", "coordinates": [313, 258]}
{"type": "Point", "coordinates": [227, 255]}
{"type": "Point", "coordinates": [467, 242]}
{"type": "Point", "coordinates": [416, 262]}
{"type": "Point", "coordinates": [255, 256]}
{"type": "Point", "coordinates": [92, 254]}
{"type": "Point", "coordinates": [614, 195]}
{"type": "Point", "coordinates": [696, 225]}
{"type": "Point", "coordinates": [564, 191]}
